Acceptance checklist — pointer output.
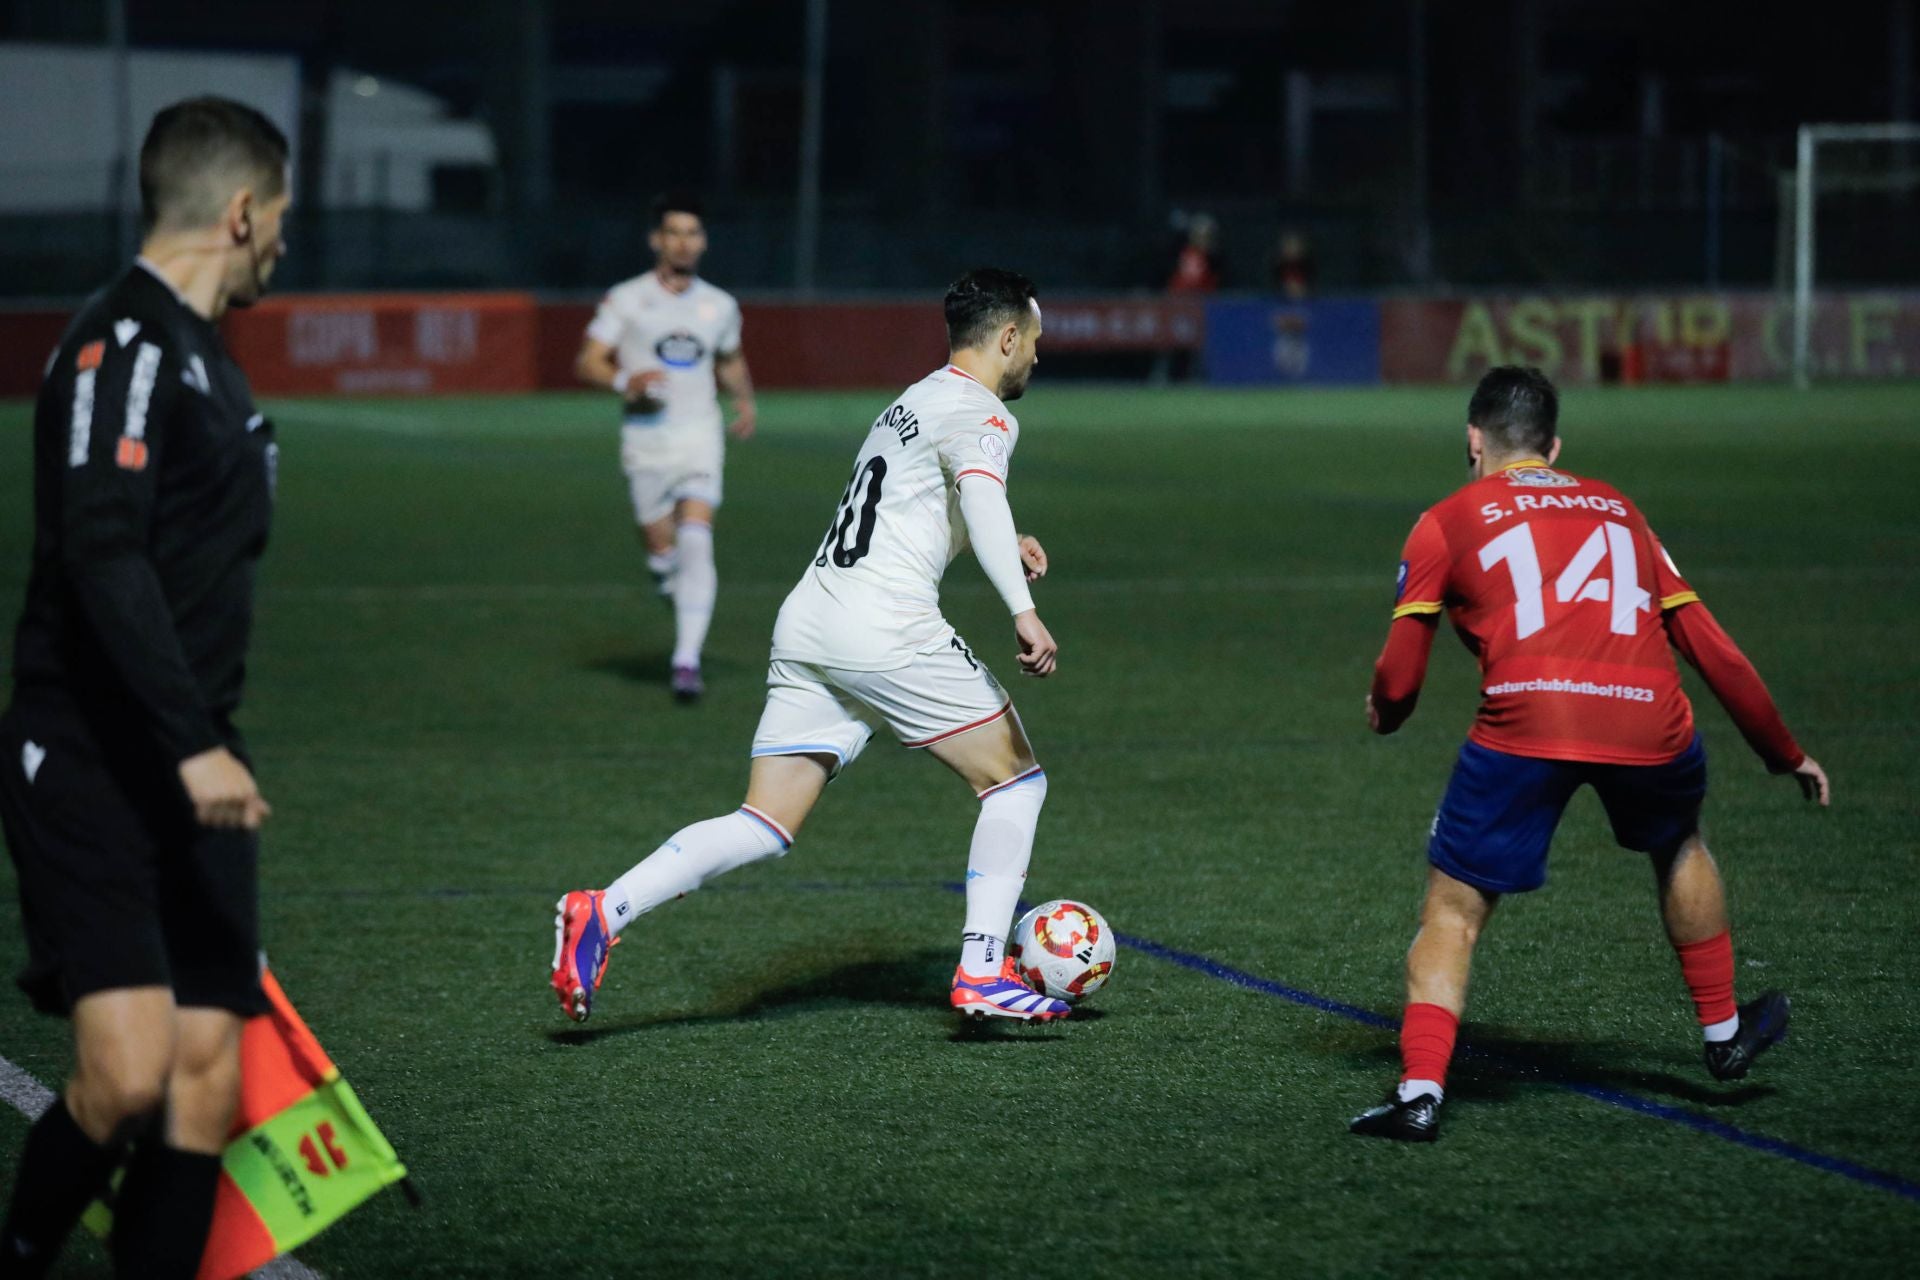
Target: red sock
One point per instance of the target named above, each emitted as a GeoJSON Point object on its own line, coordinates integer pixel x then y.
{"type": "Point", "coordinates": [1426, 1042]}
{"type": "Point", "coordinates": [1708, 968]}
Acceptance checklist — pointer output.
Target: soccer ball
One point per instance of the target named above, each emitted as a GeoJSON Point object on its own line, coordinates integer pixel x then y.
{"type": "Point", "coordinates": [1063, 949]}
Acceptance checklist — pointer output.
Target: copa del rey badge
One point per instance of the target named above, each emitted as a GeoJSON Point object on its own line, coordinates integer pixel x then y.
{"type": "Point", "coordinates": [995, 449]}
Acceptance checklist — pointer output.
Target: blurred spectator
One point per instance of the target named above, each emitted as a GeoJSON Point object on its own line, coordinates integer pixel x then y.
{"type": "Point", "coordinates": [1290, 268]}
{"type": "Point", "coordinates": [1197, 270]}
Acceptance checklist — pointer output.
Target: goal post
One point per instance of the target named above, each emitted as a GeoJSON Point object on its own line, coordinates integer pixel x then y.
{"type": "Point", "coordinates": [1898, 174]}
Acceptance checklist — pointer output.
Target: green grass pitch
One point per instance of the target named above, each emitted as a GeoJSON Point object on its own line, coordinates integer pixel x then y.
{"type": "Point", "coordinates": [458, 706]}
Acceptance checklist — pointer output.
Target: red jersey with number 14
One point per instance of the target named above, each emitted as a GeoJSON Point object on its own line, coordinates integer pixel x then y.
{"type": "Point", "coordinates": [1557, 586]}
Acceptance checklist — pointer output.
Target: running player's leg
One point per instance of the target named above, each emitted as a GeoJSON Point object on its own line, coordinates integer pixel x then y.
{"type": "Point", "coordinates": [949, 703]}
{"type": "Point", "coordinates": [658, 539]}
{"type": "Point", "coordinates": [1655, 809]}
{"type": "Point", "coordinates": [695, 590]}
{"type": "Point", "coordinates": [781, 791]}
{"type": "Point", "coordinates": [1438, 964]}
{"type": "Point", "coordinates": [996, 761]}
{"type": "Point", "coordinates": [1490, 837]}
{"type": "Point", "coordinates": [807, 733]}
{"type": "Point", "coordinates": [649, 485]}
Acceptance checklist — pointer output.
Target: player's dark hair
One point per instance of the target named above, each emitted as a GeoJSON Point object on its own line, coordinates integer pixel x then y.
{"type": "Point", "coordinates": [676, 202]}
{"type": "Point", "coordinates": [983, 300]}
{"type": "Point", "coordinates": [199, 152]}
{"type": "Point", "coordinates": [1517, 407]}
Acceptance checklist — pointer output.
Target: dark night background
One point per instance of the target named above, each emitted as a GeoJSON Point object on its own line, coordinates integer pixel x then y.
{"type": "Point", "coordinates": [1413, 142]}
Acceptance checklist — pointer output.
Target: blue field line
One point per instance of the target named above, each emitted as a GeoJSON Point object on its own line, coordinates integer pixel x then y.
{"type": "Point", "coordinates": [1611, 1097]}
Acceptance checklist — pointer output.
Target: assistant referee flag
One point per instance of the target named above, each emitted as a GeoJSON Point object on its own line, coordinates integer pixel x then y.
{"type": "Point", "coordinates": [303, 1153]}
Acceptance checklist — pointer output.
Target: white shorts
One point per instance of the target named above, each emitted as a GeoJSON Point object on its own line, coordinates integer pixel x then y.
{"type": "Point", "coordinates": [662, 470]}
{"type": "Point", "coordinates": [812, 709]}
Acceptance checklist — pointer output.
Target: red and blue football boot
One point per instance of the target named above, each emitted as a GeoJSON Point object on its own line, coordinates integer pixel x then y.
{"type": "Point", "coordinates": [1003, 995]}
{"type": "Point", "coordinates": [581, 942]}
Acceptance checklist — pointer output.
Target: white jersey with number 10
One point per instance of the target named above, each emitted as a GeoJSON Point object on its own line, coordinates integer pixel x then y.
{"type": "Point", "coordinates": [871, 598]}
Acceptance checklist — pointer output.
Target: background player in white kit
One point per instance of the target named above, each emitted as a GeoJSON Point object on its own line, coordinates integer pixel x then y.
{"type": "Point", "coordinates": [664, 341]}
{"type": "Point", "coordinates": [861, 641]}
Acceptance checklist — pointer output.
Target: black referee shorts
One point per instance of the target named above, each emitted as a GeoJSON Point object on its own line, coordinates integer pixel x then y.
{"type": "Point", "coordinates": [119, 886]}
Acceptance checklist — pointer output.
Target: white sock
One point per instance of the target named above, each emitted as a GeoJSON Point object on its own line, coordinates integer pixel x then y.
{"type": "Point", "coordinates": [693, 856]}
{"type": "Point", "coordinates": [695, 586]}
{"type": "Point", "coordinates": [1411, 1089]}
{"type": "Point", "coordinates": [660, 565]}
{"type": "Point", "coordinates": [997, 867]}
{"type": "Point", "coordinates": [1720, 1031]}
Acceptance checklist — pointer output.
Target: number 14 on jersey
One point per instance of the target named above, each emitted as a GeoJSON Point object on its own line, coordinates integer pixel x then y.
{"type": "Point", "coordinates": [1620, 589]}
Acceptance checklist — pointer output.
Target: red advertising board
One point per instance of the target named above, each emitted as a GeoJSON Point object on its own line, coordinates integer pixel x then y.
{"type": "Point", "coordinates": [387, 344]}
{"type": "Point", "coordinates": [1123, 324]}
{"type": "Point", "coordinates": [27, 342]}
{"type": "Point", "coordinates": [1585, 339]}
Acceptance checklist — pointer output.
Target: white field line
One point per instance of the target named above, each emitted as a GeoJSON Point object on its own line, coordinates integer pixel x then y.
{"type": "Point", "coordinates": [22, 1092]}
{"type": "Point", "coordinates": [31, 1099]}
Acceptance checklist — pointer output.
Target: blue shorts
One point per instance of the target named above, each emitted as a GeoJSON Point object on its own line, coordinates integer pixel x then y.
{"type": "Point", "coordinates": [1500, 811]}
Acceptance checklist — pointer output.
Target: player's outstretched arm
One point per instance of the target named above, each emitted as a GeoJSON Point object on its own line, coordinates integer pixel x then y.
{"type": "Point", "coordinates": [1400, 671]}
{"type": "Point", "coordinates": [998, 548]}
{"type": "Point", "coordinates": [1701, 640]}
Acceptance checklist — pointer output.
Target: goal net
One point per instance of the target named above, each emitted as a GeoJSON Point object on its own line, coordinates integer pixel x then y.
{"type": "Point", "coordinates": [1853, 203]}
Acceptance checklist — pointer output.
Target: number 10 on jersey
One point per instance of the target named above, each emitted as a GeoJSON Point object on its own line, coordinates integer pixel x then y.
{"type": "Point", "coordinates": [854, 505]}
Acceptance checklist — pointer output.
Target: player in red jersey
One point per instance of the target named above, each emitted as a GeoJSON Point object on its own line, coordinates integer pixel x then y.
{"type": "Point", "coordinates": [1572, 607]}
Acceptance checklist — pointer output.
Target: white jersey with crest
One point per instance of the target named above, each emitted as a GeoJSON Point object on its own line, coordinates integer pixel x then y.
{"type": "Point", "coordinates": [871, 598]}
{"type": "Point", "coordinates": [651, 327]}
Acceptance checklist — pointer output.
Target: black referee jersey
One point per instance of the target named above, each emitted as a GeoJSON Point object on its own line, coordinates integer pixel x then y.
{"type": "Point", "coordinates": [153, 480]}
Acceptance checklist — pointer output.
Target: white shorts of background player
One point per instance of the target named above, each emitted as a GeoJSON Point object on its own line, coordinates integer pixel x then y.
{"type": "Point", "coordinates": [665, 467]}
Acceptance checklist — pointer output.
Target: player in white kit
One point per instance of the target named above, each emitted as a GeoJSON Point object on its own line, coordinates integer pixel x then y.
{"type": "Point", "coordinates": [861, 642]}
{"type": "Point", "coordinates": [664, 341]}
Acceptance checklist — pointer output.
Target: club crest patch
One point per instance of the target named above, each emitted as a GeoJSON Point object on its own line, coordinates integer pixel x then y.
{"type": "Point", "coordinates": [1400, 583]}
{"type": "Point", "coordinates": [1540, 478]}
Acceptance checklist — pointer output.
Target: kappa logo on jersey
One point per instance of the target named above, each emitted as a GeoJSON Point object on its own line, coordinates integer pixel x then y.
{"type": "Point", "coordinates": [90, 356]}
{"type": "Point", "coordinates": [1400, 583]}
{"type": "Point", "coordinates": [680, 349]}
{"type": "Point", "coordinates": [995, 421]}
{"type": "Point", "coordinates": [1540, 478]}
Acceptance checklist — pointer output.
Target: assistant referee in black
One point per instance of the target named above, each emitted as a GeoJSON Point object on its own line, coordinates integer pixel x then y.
{"type": "Point", "coordinates": [129, 806]}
